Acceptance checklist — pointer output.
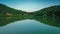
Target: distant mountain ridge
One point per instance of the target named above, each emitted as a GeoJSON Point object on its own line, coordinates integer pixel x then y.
{"type": "Point", "coordinates": [48, 10]}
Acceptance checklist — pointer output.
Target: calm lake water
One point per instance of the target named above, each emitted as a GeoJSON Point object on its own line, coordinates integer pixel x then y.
{"type": "Point", "coordinates": [28, 26]}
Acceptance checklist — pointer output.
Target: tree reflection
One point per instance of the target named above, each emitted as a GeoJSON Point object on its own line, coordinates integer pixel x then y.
{"type": "Point", "coordinates": [6, 20]}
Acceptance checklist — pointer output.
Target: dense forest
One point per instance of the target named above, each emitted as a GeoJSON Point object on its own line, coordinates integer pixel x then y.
{"type": "Point", "coordinates": [49, 15]}
{"type": "Point", "coordinates": [7, 11]}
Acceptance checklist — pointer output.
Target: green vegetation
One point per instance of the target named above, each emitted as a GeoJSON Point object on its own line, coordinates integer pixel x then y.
{"type": "Point", "coordinates": [49, 15]}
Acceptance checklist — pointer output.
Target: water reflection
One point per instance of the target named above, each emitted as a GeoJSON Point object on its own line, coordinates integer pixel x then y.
{"type": "Point", "coordinates": [6, 20]}
{"type": "Point", "coordinates": [28, 26]}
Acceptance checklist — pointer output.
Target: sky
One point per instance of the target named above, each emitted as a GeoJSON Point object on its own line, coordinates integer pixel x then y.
{"type": "Point", "coordinates": [30, 5]}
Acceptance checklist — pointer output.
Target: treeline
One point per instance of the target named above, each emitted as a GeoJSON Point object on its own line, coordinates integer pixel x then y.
{"type": "Point", "coordinates": [49, 15]}
{"type": "Point", "coordinates": [7, 11]}
{"type": "Point", "coordinates": [49, 12]}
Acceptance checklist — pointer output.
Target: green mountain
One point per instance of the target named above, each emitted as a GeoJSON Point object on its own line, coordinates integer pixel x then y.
{"type": "Point", "coordinates": [49, 15]}
{"type": "Point", "coordinates": [49, 11]}
{"type": "Point", "coordinates": [5, 10]}
{"type": "Point", "coordinates": [8, 15]}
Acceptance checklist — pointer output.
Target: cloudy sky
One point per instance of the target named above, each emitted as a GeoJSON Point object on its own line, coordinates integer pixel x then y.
{"type": "Point", "coordinates": [30, 5]}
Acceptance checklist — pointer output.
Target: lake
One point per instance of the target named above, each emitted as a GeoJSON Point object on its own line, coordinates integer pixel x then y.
{"type": "Point", "coordinates": [28, 26]}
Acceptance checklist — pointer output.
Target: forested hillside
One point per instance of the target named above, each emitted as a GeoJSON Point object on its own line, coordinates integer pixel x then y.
{"type": "Point", "coordinates": [48, 15]}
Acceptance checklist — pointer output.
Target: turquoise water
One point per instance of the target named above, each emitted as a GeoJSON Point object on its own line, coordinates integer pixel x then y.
{"type": "Point", "coordinates": [28, 26]}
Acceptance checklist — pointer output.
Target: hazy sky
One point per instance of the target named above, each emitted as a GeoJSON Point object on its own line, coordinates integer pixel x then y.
{"type": "Point", "coordinates": [30, 5]}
